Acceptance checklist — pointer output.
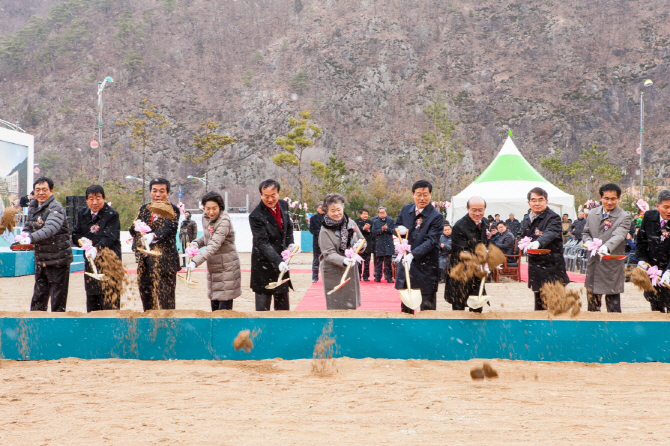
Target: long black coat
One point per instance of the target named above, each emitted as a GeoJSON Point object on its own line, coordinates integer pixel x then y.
{"type": "Point", "coordinates": [315, 223]}
{"type": "Point", "coordinates": [649, 248]}
{"type": "Point", "coordinates": [106, 233]}
{"type": "Point", "coordinates": [424, 272]}
{"type": "Point", "coordinates": [165, 230]}
{"type": "Point", "coordinates": [268, 243]}
{"type": "Point", "coordinates": [465, 236]}
{"type": "Point", "coordinates": [383, 239]}
{"type": "Point", "coordinates": [542, 268]}
{"type": "Point", "coordinates": [369, 239]}
{"type": "Point", "coordinates": [513, 226]}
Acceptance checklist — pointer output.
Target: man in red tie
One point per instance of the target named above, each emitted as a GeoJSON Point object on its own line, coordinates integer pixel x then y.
{"type": "Point", "coordinates": [468, 232]}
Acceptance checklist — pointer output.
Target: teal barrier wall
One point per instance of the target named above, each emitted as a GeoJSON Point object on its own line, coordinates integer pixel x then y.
{"type": "Point", "coordinates": [294, 338]}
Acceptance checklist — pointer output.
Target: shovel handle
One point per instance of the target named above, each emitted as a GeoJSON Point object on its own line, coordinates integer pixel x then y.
{"type": "Point", "coordinates": [481, 288]}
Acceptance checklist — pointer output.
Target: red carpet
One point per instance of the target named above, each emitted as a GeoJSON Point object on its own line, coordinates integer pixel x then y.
{"type": "Point", "coordinates": [574, 277]}
{"type": "Point", "coordinates": [374, 297]}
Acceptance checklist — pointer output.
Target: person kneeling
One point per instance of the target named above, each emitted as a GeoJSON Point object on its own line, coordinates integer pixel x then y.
{"type": "Point", "coordinates": [224, 277]}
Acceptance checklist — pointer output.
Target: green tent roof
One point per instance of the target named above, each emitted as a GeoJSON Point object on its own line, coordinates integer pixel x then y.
{"type": "Point", "coordinates": [510, 165]}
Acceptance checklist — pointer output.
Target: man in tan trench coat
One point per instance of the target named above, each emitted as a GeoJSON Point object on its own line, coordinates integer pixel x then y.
{"type": "Point", "coordinates": [610, 224]}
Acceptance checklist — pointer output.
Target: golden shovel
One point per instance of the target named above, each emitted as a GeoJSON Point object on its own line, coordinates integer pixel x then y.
{"type": "Point", "coordinates": [411, 298]}
{"type": "Point", "coordinates": [480, 300]}
{"type": "Point", "coordinates": [187, 280]}
{"type": "Point", "coordinates": [346, 271]}
{"type": "Point", "coordinates": [147, 249]}
{"type": "Point", "coordinates": [91, 262]}
{"type": "Point", "coordinates": [281, 280]}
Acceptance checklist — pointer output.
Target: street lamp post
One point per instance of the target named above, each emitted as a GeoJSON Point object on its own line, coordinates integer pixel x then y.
{"type": "Point", "coordinates": [101, 87]}
{"type": "Point", "coordinates": [130, 177]}
{"type": "Point", "coordinates": [647, 83]}
{"type": "Point", "coordinates": [202, 180]}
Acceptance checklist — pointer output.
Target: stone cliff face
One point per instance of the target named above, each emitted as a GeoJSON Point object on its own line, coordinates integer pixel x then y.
{"type": "Point", "coordinates": [562, 75]}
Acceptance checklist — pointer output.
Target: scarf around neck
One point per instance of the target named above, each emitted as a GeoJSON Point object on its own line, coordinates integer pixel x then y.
{"type": "Point", "coordinates": [342, 225]}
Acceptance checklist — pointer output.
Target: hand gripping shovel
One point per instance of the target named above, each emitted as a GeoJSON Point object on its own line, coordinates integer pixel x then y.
{"type": "Point", "coordinates": [91, 262]}
{"type": "Point", "coordinates": [411, 298]}
{"type": "Point", "coordinates": [346, 271]}
{"type": "Point", "coordinates": [147, 249]}
{"type": "Point", "coordinates": [281, 280]}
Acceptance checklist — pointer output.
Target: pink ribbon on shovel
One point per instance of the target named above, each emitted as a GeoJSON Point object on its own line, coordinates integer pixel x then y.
{"type": "Point", "coordinates": [349, 253]}
{"type": "Point", "coordinates": [524, 243]}
{"type": "Point", "coordinates": [19, 238]}
{"type": "Point", "coordinates": [401, 248]}
{"type": "Point", "coordinates": [593, 246]}
{"type": "Point", "coordinates": [88, 244]}
{"type": "Point", "coordinates": [654, 274]}
{"type": "Point", "coordinates": [285, 255]}
{"type": "Point", "coordinates": [142, 227]}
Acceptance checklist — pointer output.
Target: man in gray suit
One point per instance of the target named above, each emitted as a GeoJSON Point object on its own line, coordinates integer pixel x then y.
{"type": "Point", "coordinates": [610, 224]}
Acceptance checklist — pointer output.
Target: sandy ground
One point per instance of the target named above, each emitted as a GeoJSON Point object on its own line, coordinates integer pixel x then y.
{"type": "Point", "coordinates": [115, 402]}
{"type": "Point", "coordinates": [15, 294]}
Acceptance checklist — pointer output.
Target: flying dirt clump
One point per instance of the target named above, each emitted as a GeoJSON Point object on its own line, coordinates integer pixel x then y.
{"type": "Point", "coordinates": [640, 279]}
{"type": "Point", "coordinates": [485, 371]}
{"type": "Point", "coordinates": [244, 341]}
{"type": "Point", "coordinates": [323, 362]}
{"type": "Point", "coordinates": [558, 300]}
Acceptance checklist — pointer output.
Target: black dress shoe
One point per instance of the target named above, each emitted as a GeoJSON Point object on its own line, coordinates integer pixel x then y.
{"type": "Point", "coordinates": [366, 280]}
{"type": "Point", "coordinates": [377, 280]}
{"type": "Point", "coordinates": [390, 281]}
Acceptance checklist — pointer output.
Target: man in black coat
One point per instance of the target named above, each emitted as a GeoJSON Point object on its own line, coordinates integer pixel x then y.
{"type": "Point", "coordinates": [423, 225]}
{"type": "Point", "coordinates": [468, 232]}
{"type": "Point", "coordinates": [50, 234]}
{"type": "Point", "coordinates": [272, 232]}
{"type": "Point", "coordinates": [577, 227]}
{"type": "Point", "coordinates": [157, 275]}
{"type": "Point", "coordinates": [513, 225]}
{"type": "Point", "coordinates": [188, 232]}
{"type": "Point", "coordinates": [652, 247]}
{"type": "Point", "coordinates": [100, 224]}
{"type": "Point", "coordinates": [505, 240]}
{"type": "Point", "coordinates": [365, 226]}
{"type": "Point", "coordinates": [544, 227]}
{"type": "Point", "coordinates": [315, 223]}
{"type": "Point", "coordinates": [383, 229]}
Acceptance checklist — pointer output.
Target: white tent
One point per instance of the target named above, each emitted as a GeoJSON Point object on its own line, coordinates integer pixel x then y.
{"type": "Point", "coordinates": [505, 184]}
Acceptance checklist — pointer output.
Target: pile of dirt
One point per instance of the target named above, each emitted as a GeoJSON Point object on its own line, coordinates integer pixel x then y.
{"type": "Point", "coordinates": [8, 220]}
{"type": "Point", "coordinates": [323, 362]}
{"type": "Point", "coordinates": [558, 300]}
{"type": "Point", "coordinates": [162, 208]}
{"type": "Point", "coordinates": [640, 279]}
{"type": "Point", "coordinates": [485, 371]}
{"type": "Point", "coordinates": [244, 341]}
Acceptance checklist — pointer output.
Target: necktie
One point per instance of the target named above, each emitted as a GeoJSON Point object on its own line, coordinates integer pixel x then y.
{"type": "Point", "coordinates": [93, 216]}
{"type": "Point", "coordinates": [418, 212]}
{"type": "Point", "coordinates": [605, 214]}
{"type": "Point", "coordinates": [662, 223]}
{"type": "Point", "coordinates": [479, 225]}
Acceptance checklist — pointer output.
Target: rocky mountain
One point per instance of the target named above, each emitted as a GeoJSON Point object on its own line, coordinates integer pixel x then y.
{"type": "Point", "coordinates": [562, 75]}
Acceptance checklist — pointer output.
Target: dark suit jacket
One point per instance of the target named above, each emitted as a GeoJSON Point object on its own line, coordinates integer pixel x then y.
{"type": "Point", "coordinates": [106, 233]}
{"type": "Point", "coordinates": [547, 229]}
{"type": "Point", "coordinates": [648, 245]}
{"type": "Point", "coordinates": [505, 242]}
{"type": "Point", "coordinates": [425, 242]}
{"type": "Point", "coordinates": [383, 239]}
{"type": "Point", "coordinates": [165, 230]}
{"type": "Point", "coordinates": [315, 224]}
{"type": "Point", "coordinates": [369, 240]}
{"type": "Point", "coordinates": [268, 243]}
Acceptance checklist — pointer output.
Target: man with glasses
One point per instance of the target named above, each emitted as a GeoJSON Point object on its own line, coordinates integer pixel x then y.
{"type": "Point", "coordinates": [543, 226]}
{"type": "Point", "coordinates": [468, 232]}
{"type": "Point", "coordinates": [49, 231]}
{"type": "Point", "coordinates": [100, 224]}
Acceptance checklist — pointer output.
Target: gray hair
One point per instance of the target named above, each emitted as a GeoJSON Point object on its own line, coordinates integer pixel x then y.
{"type": "Point", "coordinates": [380, 208]}
{"type": "Point", "coordinates": [319, 204]}
{"type": "Point", "coordinates": [332, 199]}
{"type": "Point", "coordinates": [663, 195]}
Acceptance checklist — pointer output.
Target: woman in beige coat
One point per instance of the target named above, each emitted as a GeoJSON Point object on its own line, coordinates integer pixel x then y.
{"type": "Point", "coordinates": [338, 234]}
{"type": "Point", "coordinates": [224, 277]}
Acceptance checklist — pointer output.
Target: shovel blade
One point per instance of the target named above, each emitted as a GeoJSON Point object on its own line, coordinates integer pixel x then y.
{"type": "Point", "coordinates": [476, 302]}
{"type": "Point", "coordinates": [188, 283]}
{"type": "Point", "coordinates": [151, 253]}
{"type": "Point", "coordinates": [273, 285]}
{"type": "Point", "coordinates": [338, 286]}
{"type": "Point", "coordinates": [95, 276]}
{"type": "Point", "coordinates": [411, 298]}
